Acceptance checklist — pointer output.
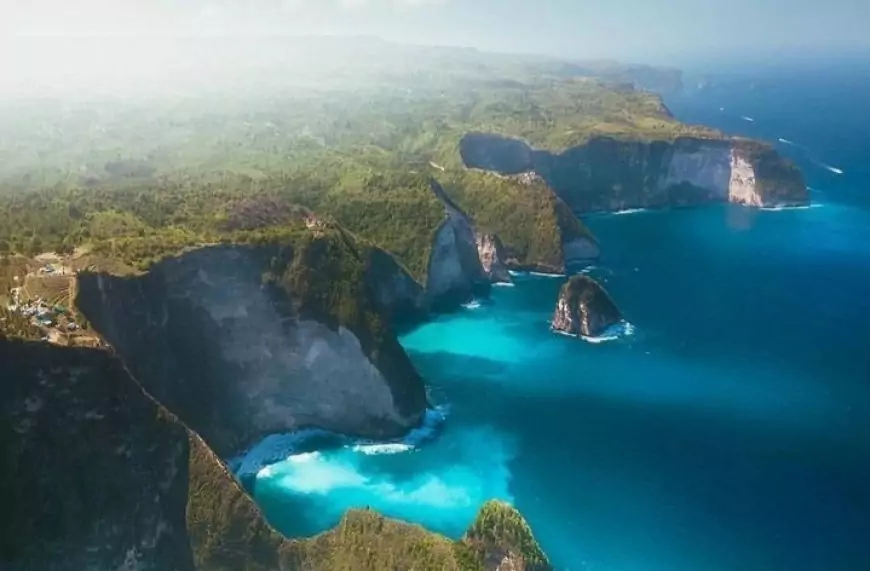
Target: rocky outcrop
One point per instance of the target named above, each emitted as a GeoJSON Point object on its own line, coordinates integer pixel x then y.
{"type": "Point", "coordinates": [96, 474]}
{"type": "Point", "coordinates": [513, 548]}
{"type": "Point", "coordinates": [498, 540]}
{"type": "Point", "coordinates": [607, 174]}
{"type": "Point", "coordinates": [493, 258]}
{"type": "Point", "coordinates": [584, 308]}
{"type": "Point", "coordinates": [455, 273]}
{"type": "Point", "coordinates": [244, 341]}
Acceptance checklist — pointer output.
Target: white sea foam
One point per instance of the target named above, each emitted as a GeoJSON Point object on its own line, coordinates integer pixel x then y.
{"type": "Point", "coordinates": [613, 333]}
{"type": "Point", "coordinates": [565, 333]}
{"type": "Point", "coordinates": [273, 448]}
{"type": "Point", "coordinates": [474, 304]}
{"type": "Point", "coordinates": [745, 118]}
{"type": "Point", "coordinates": [834, 170]}
{"type": "Point", "coordinates": [629, 211]}
{"type": "Point", "coordinates": [447, 488]}
{"type": "Point", "coordinates": [781, 208]}
{"type": "Point", "coordinates": [291, 446]}
{"type": "Point", "coordinates": [517, 274]}
{"type": "Point", "coordinates": [504, 284]}
{"type": "Point", "coordinates": [546, 275]}
{"type": "Point", "coordinates": [378, 449]}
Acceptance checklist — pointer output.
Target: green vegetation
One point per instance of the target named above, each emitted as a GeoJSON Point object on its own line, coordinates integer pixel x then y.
{"type": "Point", "coordinates": [356, 139]}
{"type": "Point", "coordinates": [365, 540]}
{"type": "Point", "coordinates": [169, 482]}
{"type": "Point", "coordinates": [501, 531]}
{"type": "Point", "coordinates": [226, 530]}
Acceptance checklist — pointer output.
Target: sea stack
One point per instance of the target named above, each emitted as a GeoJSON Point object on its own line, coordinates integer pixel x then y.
{"type": "Point", "coordinates": [584, 308]}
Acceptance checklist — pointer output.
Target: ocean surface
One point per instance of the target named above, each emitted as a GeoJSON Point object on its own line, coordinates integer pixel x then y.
{"type": "Point", "coordinates": [728, 428]}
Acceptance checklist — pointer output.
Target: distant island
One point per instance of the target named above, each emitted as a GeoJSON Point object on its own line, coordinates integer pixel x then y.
{"type": "Point", "coordinates": [167, 259]}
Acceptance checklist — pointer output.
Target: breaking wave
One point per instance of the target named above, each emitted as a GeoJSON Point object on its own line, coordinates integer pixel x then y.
{"type": "Point", "coordinates": [279, 447]}
{"type": "Point", "coordinates": [745, 118]}
{"type": "Point", "coordinates": [630, 211]}
{"type": "Point", "coordinates": [443, 492]}
{"type": "Point", "coordinates": [791, 143]}
{"type": "Point", "coordinates": [615, 332]}
{"type": "Point", "coordinates": [781, 208]}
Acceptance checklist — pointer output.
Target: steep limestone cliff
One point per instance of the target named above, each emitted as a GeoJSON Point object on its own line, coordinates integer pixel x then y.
{"type": "Point", "coordinates": [493, 257]}
{"type": "Point", "coordinates": [584, 308]}
{"type": "Point", "coordinates": [97, 475]}
{"type": "Point", "coordinates": [606, 174]}
{"type": "Point", "coordinates": [247, 340]}
{"type": "Point", "coordinates": [455, 270]}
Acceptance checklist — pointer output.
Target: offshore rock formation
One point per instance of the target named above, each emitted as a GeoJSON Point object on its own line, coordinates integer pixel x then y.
{"type": "Point", "coordinates": [244, 341]}
{"type": "Point", "coordinates": [584, 308]}
{"type": "Point", "coordinates": [608, 174]}
{"type": "Point", "coordinates": [97, 475]}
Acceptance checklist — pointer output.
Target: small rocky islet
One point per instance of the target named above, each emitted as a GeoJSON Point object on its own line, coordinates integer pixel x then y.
{"type": "Point", "coordinates": [584, 308]}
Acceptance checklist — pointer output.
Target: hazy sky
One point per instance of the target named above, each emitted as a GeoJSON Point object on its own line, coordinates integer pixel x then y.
{"type": "Point", "coordinates": [640, 30]}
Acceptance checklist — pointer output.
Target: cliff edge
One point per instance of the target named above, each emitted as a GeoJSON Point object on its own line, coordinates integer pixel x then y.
{"type": "Point", "coordinates": [608, 173]}
{"type": "Point", "coordinates": [244, 340]}
{"type": "Point", "coordinates": [98, 475]}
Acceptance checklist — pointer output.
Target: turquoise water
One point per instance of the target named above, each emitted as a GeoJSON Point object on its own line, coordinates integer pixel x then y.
{"type": "Point", "coordinates": [728, 431]}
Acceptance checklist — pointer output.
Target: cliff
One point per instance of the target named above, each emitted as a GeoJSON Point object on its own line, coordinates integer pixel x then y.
{"type": "Point", "coordinates": [584, 308]}
{"type": "Point", "coordinates": [498, 540]}
{"type": "Point", "coordinates": [606, 173]}
{"type": "Point", "coordinates": [455, 271]}
{"type": "Point", "coordinates": [244, 340]}
{"type": "Point", "coordinates": [536, 229]}
{"type": "Point", "coordinates": [98, 475]}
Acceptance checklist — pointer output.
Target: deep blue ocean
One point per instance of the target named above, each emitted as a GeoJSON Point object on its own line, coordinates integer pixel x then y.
{"type": "Point", "coordinates": [730, 430]}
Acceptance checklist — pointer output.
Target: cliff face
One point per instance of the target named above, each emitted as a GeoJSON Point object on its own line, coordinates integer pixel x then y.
{"type": "Point", "coordinates": [398, 295]}
{"type": "Point", "coordinates": [455, 270]}
{"type": "Point", "coordinates": [608, 174]}
{"type": "Point", "coordinates": [584, 308]}
{"type": "Point", "coordinates": [493, 257]}
{"type": "Point", "coordinates": [244, 341]}
{"type": "Point", "coordinates": [96, 475]}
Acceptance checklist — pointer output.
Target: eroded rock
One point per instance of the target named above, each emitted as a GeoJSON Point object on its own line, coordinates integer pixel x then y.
{"type": "Point", "coordinates": [584, 308]}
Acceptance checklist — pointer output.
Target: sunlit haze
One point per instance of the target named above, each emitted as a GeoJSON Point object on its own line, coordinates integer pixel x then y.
{"type": "Point", "coordinates": [132, 37]}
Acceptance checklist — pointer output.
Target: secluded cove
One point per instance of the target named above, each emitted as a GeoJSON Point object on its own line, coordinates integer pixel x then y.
{"type": "Point", "coordinates": [721, 431]}
{"type": "Point", "coordinates": [727, 431]}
